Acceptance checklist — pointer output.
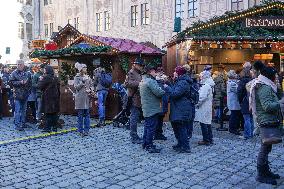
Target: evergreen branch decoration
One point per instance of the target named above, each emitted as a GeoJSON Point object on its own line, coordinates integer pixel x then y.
{"type": "Point", "coordinates": [124, 63]}
{"type": "Point", "coordinates": [67, 72]}
{"type": "Point", "coordinates": [232, 24]}
{"type": "Point", "coordinates": [70, 50]}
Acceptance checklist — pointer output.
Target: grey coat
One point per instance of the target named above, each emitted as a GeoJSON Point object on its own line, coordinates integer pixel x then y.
{"type": "Point", "coordinates": [151, 95]}
{"type": "Point", "coordinates": [232, 95]}
{"type": "Point", "coordinates": [82, 84]}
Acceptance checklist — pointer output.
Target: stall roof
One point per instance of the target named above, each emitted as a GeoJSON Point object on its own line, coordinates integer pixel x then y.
{"type": "Point", "coordinates": [121, 45]}
{"type": "Point", "coordinates": [230, 26]}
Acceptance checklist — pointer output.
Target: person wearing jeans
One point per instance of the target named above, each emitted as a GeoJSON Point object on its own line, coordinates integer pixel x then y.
{"type": "Point", "coordinates": [21, 82]}
{"type": "Point", "coordinates": [132, 81]}
{"type": "Point", "coordinates": [82, 84]}
{"type": "Point", "coordinates": [38, 93]}
{"type": "Point", "coordinates": [102, 95]}
{"type": "Point", "coordinates": [151, 95]}
{"type": "Point", "coordinates": [204, 107]}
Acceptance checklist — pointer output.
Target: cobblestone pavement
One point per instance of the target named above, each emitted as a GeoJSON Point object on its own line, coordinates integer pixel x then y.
{"type": "Point", "coordinates": [107, 159]}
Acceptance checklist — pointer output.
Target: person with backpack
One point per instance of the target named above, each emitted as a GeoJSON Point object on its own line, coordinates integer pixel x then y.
{"type": "Point", "coordinates": [50, 87]}
{"type": "Point", "coordinates": [204, 107]}
{"type": "Point", "coordinates": [132, 81]}
{"type": "Point", "coordinates": [102, 83]}
{"type": "Point", "coordinates": [181, 108]}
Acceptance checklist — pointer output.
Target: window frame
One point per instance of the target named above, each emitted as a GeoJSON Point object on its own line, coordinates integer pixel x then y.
{"type": "Point", "coordinates": [179, 3]}
{"type": "Point", "coordinates": [76, 22]}
{"type": "Point", "coordinates": [194, 10]}
{"type": "Point", "coordinates": [107, 20]}
{"type": "Point", "coordinates": [145, 14]}
{"type": "Point", "coordinates": [99, 22]}
{"type": "Point", "coordinates": [21, 30]}
{"type": "Point", "coordinates": [46, 30]}
{"type": "Point", "coordinates": [29, 2]}
{"type": "Point", "coordinates": [29, 35]}
{"type": "Point", "coordinates": [45, 2]}
{"type": "Point", "coordinates": [237, 2]}
{"type": "Point", "coordinates": [51, 28]}
{"type": "Point", "coordinates": [134, 15]}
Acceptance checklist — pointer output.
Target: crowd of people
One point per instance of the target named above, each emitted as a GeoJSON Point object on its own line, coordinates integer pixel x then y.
{"type": "Point", "coordinates": [252, 95]}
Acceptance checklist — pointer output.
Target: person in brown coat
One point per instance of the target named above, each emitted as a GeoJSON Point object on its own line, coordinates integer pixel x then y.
{"type": "Point", "coordinates": [50, 86]}
{"type": "Point", "coordinates": [132, 81]}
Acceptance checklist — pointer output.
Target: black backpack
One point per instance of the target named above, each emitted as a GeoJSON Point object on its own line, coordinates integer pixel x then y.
{"type": "Point", "coordinates": [194, 93]}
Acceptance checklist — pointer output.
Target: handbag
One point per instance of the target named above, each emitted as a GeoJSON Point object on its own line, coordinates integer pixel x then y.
{"type": "Point", "coordinates": [271, 135]}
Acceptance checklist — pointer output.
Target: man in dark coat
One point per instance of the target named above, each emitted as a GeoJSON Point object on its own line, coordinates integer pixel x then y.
{"type": "Point", "coordinates": [21, 83]}
{"type": "Point", "coordinates": [132, 81]}
{"type": "Point", "coordinates": [50, 86]}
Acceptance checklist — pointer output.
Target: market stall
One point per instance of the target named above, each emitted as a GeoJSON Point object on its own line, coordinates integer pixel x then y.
{"type": "Point", "coordinates": [231, 39]}
{"type": "Point", "coordinates": [111, 53]}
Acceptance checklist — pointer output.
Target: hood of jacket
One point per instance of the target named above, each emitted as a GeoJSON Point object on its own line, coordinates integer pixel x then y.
{"type": "Point", "coordinates": [184, 77]}
{"type": "Point", "coordinates": [49, 70]}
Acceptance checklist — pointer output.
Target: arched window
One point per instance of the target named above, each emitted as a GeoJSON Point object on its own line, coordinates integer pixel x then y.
{"type": "Point", "coordinates": [29, 2]}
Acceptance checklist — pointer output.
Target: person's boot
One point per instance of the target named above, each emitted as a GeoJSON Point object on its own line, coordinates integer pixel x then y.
{"type": "Point", "coordinates": [160, 137]}
{"type": "Point", "coordinates": [152, 149]}
{"type": "Point", "coordinates": [262, 175]}
{"type": "Point", "coordinates": [269, 173]}
{"type": "Point", "coordinates": [136, 140]}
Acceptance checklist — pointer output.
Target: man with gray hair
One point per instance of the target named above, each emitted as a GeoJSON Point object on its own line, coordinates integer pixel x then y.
{"type": "Point", "coordinates": [21, 83]}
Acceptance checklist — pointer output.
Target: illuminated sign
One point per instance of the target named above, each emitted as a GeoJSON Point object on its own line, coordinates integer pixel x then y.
{"type": "Point", "coordinates": [265, 22]}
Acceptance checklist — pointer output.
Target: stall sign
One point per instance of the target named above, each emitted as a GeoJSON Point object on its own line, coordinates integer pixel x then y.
{"type": "Point", "coordinates": [265, 22]}
{"type": "Point", "coordinates": [38, 44]}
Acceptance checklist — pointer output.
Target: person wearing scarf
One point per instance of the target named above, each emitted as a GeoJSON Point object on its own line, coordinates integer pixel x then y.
{"type": "Point", "coordinates": [265, 106]}
{"type": "Point", "coordinates": [82, 85]}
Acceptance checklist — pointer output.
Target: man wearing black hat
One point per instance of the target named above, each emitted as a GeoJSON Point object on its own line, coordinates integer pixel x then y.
{"type": "Point", "coordinates": [151, 96]}
{"type": "Point", "coordinates": [132, 81]}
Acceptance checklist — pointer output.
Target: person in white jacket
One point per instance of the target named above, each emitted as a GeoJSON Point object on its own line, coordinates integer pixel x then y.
{"type": "Point", "coordinates": [204, 107]}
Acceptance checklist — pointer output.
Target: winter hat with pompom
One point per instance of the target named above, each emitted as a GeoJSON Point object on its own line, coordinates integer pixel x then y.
{"type": "Point", "coordinates": [79, 66]}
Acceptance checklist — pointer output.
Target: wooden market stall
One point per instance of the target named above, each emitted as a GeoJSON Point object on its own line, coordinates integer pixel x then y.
{"type": "Point", "coordinates": [231, 39]}
{"type": "Point", "coordinates": [114, 54]}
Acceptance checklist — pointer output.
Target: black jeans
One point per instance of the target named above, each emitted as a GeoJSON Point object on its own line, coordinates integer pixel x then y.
{"type": "Point", "coordinates": [181, 133]}
{"type": "Point", "coordinates": [159, 129]}
{"type": "Point", "coordinates": [262, 158]}
{"type": "Point", "coordinates": [32, 106]}
{"type": "Point", "coordinates": [235, 120]}
{"type": "Point", "coordinates": [206, 132]}
{"type": "Point", "coordinates": [150, 129]}
{"type": "Point", "coordinates": [51, 121]}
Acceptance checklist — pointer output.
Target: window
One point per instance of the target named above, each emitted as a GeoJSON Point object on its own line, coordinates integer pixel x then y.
{"type": "Point", "coordinates": [68, 21]}
{"type": "Point", "coordinates": [237, 5]}
{"type": "Point", "coordinates": [252, 3]}
{"type": "Point", "coordinates": [178, 8]}
{"type": "Point", "coordinates": [99, 19]}
{"type": "Point", "coordinates": [46, 30]}
{"type": "Point", "coordinates": [70, 39]}
{"type": "Point", "coordinates": [107, 20]}
{"type": "Point", "coordinates": [20, 1]}
{"type": "Point", "coordinates": [145, 17]}
{"type": "Point", "coordinates": [76, 22]}
{"type": "Point", "coordinates": [51, 29]}
{"type": "Point", "coordinates": [192, 8]}
{"type": "Point", "coordinates": [29, 31]}
{"type": "Point", "coordinates": [47, 2]}
{"type": "Point", "coordinates": [29, 17]}
{"type": "Point", "coordinates": [134, 15]}
{"type": "Point", "coordinates": [21, 33]}
{"type": "Point", "coordinates": [29, 2]}
{"type": "Point", "coordinates": [59, 28]}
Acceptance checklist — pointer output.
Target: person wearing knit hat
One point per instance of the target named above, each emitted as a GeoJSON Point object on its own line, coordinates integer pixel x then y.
{"type": "Point", "coordinates": [247, 65]}
{"type": "Point", "coordinates": [83, 85]}
{"type": "Point", "coordinates": [179, 70]}
{"type": "Point", "coordinates": [208, 68]}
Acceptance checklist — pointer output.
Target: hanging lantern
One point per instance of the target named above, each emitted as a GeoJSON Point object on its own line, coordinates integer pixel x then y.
{"type": "Point", "coordinates": [213, 46]}
{"type": "Point", "coordinates": [256, 57]}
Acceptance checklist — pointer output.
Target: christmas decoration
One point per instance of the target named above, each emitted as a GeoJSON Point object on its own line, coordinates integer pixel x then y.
{"type": "Point", "coordinates": [124, 63]}
{"type": "Point", "coordinates": [67, 72]}
{"type": "Point", "coordinates": [69, 51]}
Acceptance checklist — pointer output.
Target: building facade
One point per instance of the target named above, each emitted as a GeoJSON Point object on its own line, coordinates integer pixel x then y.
{"type": "Point", "coordinates": [20, 26]}
{"type": "Point", "coordinates": [139, 20]}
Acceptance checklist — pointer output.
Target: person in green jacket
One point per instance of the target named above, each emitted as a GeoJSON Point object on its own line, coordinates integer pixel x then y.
{"type": "Point", "coordinates": [35, 81]}
{"type": "Point", "coordinates": [151, 95]}
{"type": "Point", "coordinates": [265, 105]}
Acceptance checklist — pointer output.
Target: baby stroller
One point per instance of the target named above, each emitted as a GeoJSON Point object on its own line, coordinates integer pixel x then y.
{"type": "Point", "coordinates": [122, 118]}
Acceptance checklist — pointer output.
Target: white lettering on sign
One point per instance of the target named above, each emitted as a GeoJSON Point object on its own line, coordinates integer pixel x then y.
{"type": "Point", "coordinates": [268, 22]}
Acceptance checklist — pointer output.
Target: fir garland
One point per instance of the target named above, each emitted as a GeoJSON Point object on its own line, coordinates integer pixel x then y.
{"type": "Point", "coordinates": [70, 50]}
{"type": "Point", "coordinates": [67, 72]}
{"type": "Point", "coordinates": [124, 63]}
{"type": "Point", "coordinates": [235, 27]}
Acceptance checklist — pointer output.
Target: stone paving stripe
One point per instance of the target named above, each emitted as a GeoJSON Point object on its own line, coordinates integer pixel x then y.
{"type": "Point", "coordinates": [44, 135]}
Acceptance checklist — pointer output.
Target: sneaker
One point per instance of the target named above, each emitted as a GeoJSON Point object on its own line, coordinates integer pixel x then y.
{"type": "Point", "coordinates": [160, 137]}
{"type": "Point", "coordinates": [183, 150]}
{"type": "Point", "coordinates": [136, 140]}
{"type": "Point", "coordinates": [203, 143]}
{"type": "Point", "coordinates": [152, 149]}
{"type": "Point", "coordinates": [243, 138]}
{"type": "Point", "coordinates": [19, 129]}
